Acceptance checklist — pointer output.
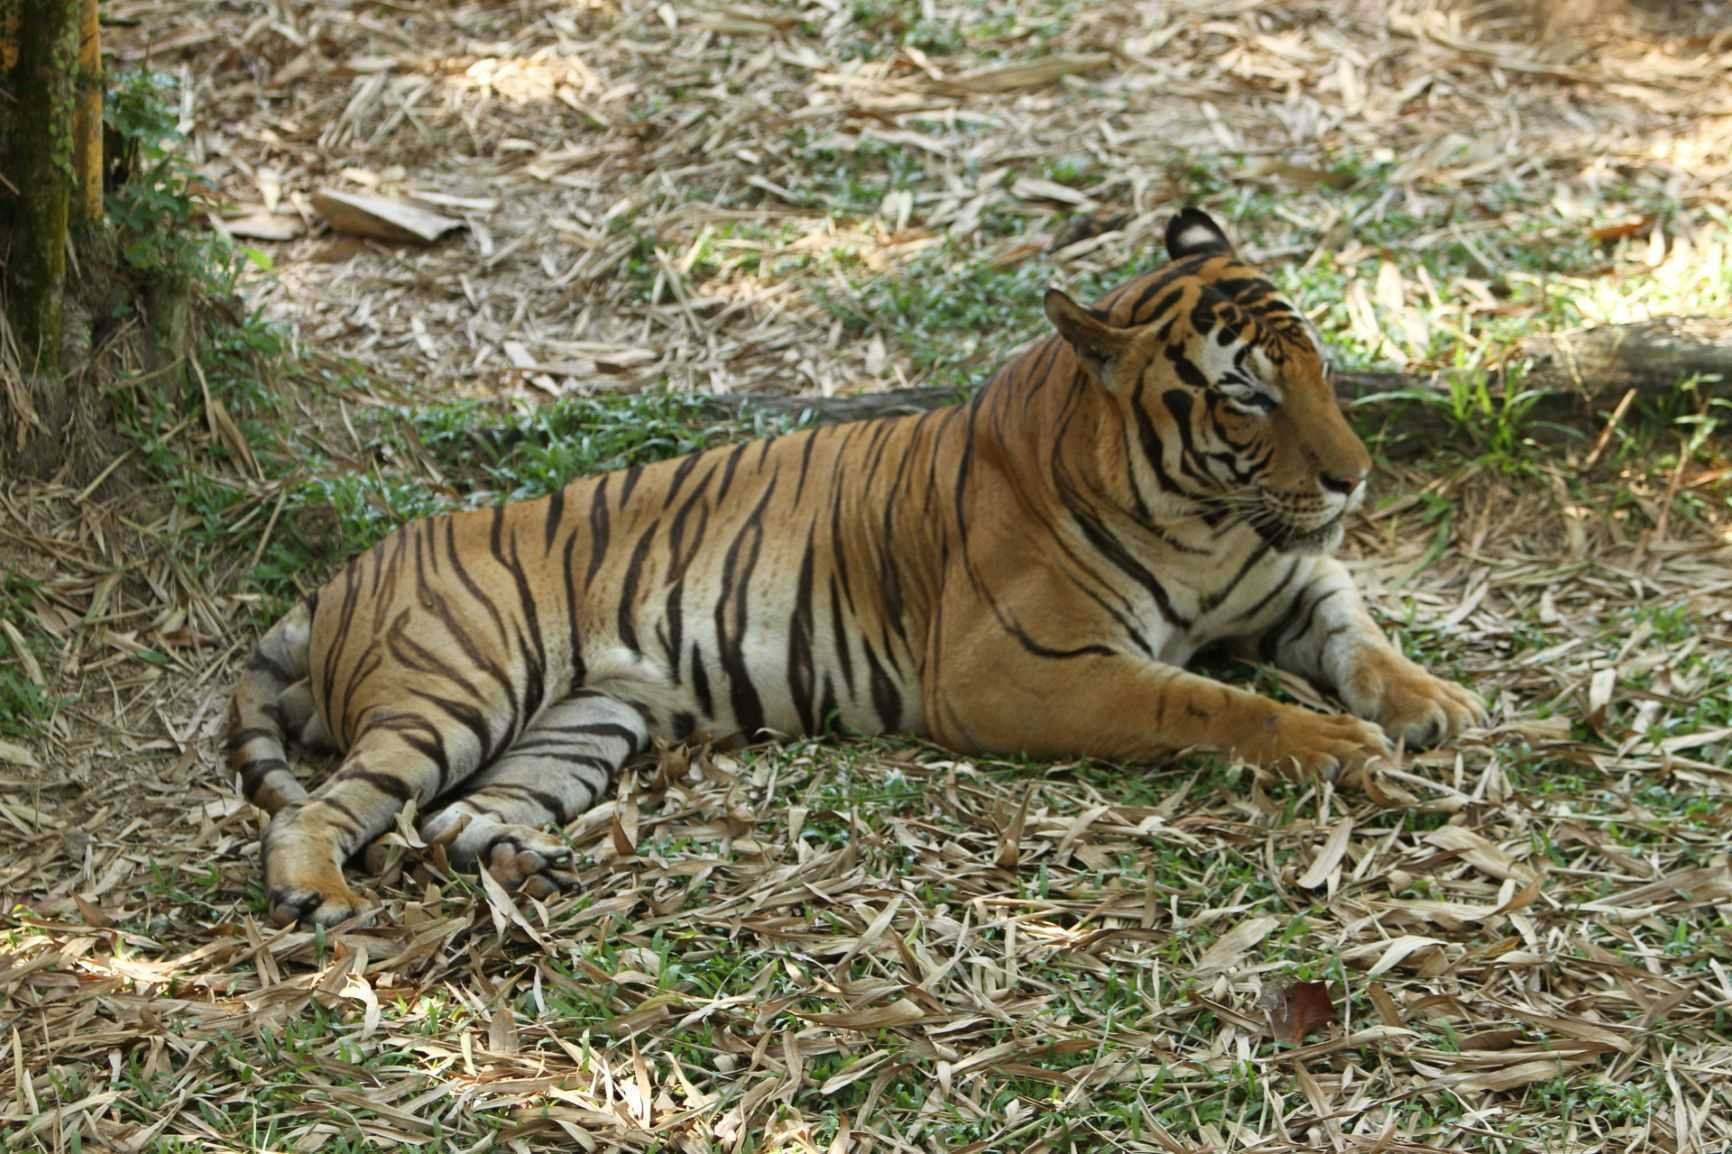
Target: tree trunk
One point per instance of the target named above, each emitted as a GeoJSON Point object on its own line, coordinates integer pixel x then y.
{"type": "Point", "coordinates": [34, 398]}
{"type": "Point", "coordinates": [42, 174]}
{"type": "Point", "coordinates": [87, 131]}
{"type": "Point", "coordinates": [1574, 374]}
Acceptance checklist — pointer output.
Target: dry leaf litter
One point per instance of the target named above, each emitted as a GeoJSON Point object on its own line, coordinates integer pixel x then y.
{"type": "Point", "coordinates": [880, 946]}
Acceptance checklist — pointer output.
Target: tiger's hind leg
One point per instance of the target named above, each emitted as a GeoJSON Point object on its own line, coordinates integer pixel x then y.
{"type": "Point", "coordinates": [396, 756]}
{"type": "Point", "coordinates": [560, 766]}
{"type": "Point", "coordinates": [301, 720]}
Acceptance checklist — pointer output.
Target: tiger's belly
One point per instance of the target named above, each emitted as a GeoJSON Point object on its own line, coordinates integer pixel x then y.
{"type": "Point", "coordinates": [771, 682]}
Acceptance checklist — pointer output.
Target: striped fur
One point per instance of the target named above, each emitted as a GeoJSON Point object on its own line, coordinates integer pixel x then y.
{"type": "Point", "coordinates": [1028, 572]}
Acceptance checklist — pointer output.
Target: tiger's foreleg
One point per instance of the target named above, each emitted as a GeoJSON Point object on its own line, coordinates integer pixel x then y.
{"type": "Point", "coordinates": [1329, 638]}
{"type": "Point", "coordinates": [560, 766]}
{"type": "Point", "coordinates": [996, 696]}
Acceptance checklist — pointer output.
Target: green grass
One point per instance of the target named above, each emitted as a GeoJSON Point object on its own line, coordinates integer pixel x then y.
{"type": "Point", "coordinates": [26, 705]}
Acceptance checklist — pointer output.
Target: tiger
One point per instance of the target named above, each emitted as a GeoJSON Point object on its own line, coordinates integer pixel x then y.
{"type": "Point", "coordinates": [1024, 573]}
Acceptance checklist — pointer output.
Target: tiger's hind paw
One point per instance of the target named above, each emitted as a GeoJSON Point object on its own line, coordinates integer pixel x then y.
{"type": "Point", "coordinates": [304, 882]}
{"type": "Point", "coordinates": [533, 860]}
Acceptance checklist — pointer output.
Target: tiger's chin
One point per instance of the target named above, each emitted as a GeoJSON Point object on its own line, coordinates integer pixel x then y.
{"type": "Point", "coordinates": [1325, 538]}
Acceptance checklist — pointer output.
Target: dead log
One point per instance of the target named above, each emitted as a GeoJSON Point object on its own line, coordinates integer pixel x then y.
{"type": "Point", "coordinates": [1562, 383]}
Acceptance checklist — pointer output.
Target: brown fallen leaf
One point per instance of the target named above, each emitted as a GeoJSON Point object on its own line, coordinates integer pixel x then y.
{"type": "Point", "coordinates": [1295, 1009]}
{"type": "Point", "coordinates": [92, 913]}
{"type": "Point", "coordinates": [1387, 1011]}
{"type": "Point", "coordinates": [623, 845]}
{"type": "Point", "coordinates": [1622, 228]}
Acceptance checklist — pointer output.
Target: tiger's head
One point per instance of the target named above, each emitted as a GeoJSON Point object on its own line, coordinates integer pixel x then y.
{"type": "Point", "coordinates": [1222, 389]}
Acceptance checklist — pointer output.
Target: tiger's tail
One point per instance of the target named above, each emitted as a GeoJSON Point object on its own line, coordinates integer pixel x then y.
{"type": "Point", "coordinates": [258, 724]}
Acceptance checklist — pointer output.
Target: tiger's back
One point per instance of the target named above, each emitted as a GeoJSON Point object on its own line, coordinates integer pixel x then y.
{"type": "Point", "coordinates": [778, 585]}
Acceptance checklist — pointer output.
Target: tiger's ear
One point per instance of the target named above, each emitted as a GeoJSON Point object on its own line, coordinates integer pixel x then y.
{"type": "Point", "coordinates": [1100, 347]}
{"type": "Point", "coordinates": [1194, 232]}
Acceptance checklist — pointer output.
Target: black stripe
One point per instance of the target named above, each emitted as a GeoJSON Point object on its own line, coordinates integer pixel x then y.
{"type": "Point", "coordinates": [632, 476]}
{"type": "Point", "coordinates": [264, 662]}
{"type": "Point", "coordinates": [551, 804]}
{"type": "Point", "coordinates": [1274, 592]}
{"type": "Point", "coordinates": [254, 772]}
{"type": "Point", "coordinates": [534, 646]}
{"type": "Point", "coordinates": [598, 530]}
{"type": "Point", "coordinates": [573, 613]}
{"type": "Point", "coordinates": [342, 807]}
{"type": "Point", "coordinates": [701, 685]}
{"type": "Point", "coordinates": [806, 461]}
{"type": "Point", "coordinates": [383, 782]}
{"type": "Point", "coordinates": [802, 676]}
{"type": "Point", "coordinates": [1214, 600]}
{"type": "Point", "coordinates": [728, 470]}
{"type": "Point", "coordinates": [885, 697]}
{"type": "Point", "coordinates": [432, 747]}
{"type": "Point", "coordinates": [465, 715]}
{"type": "Point", "coordinates": [1114, 551]}
{"type": "Point", "coordinates": [839, 635]}
{"type": "Point", "coordinates": [626, 621]}
{"type": "Point", "coordinates": [555, 514]}
{"type": "Point", "coordinates": [738, 566]}
{"type": "Point", "coordinates": [238, 738]}
{"type": "Point", "coordinates": [1157, 282]}
{"type": "Point", "coordinates": [681, 472]}
{"type": "Point", "coordinates": [1153, 450]}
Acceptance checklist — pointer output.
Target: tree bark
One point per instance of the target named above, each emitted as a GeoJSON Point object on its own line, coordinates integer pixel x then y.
{"type": "Point", "coordinates": [42, 174]}
{"type": "Point", "coordinates": [1574, 374]}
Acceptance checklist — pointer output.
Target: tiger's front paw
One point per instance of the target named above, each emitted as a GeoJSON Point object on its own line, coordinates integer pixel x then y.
{"type": "Point", "coordinates": [1331, 745]}
{"type": "Point", "coordinates": [1411, 705]}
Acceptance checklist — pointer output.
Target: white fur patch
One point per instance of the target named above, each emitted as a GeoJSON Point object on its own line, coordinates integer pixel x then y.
{"type": "Point", "coordinates": [1197, 236]}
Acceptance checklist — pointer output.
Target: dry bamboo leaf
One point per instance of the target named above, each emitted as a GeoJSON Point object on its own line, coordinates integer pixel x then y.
{"type": "Point", "coordinates": [357, 988]}
{"type": "Point", "coordinates": [380, 218]}
{"type": "Point", "coordinates": [262, 226]}
{"type": "Point", "coordinates": [1524, 897]}
{"type": "Point", "coordinates": [1230, 946]}
{"type": "Point", "coordinates": [1478, 852]}
{"type": "Point", "coordinates": [1328, 858]}
{"type": "Point", "coordinates": [1393, 953]}
{"type": "Point", "coordinates": [14, 754]}
{"type": "Point", "coordinates": [1032, 74]}
{"type": "Point", "coordinates": [1521, 1074]}
{"type": "Point", "coordinates": [502, 1031]}
{"type": "Point", "coordinates": [1600, 688]}
{"type": "Point", "coordinates": [1010, 841]}
{"type": "Point", "coordinates": [505, 911]}
{"type": "Point", "coordinates": [901, 1012]}
{"type": "Point", "coordinates": [1033, 188]}
{"type": "Point", "coordinates": [21, 651]}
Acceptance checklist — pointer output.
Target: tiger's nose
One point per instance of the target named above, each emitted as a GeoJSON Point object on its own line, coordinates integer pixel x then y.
{"type": "Point", "coordinates": [1339, 484]}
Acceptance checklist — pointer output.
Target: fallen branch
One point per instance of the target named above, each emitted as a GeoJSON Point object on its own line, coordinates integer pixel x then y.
{"type": "Point", "coordinates": [1566, 378]}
